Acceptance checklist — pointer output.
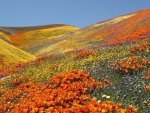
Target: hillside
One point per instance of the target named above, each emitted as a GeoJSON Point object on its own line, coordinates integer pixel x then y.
{"type": "Point", "coordinates": [130, 27]}
{"type": "Point", "coordinates": [4, 36]}
{"type": "Point", "coordinates": [30, 38]}
{"type": "Point", "coordinates": [103, 68]}
{"type": "Point", "coordinates": [42, 40]}
{"type": "Point", "coordinates": [116, 77]}
{"type": "Point", "coordinates": [13, 30]}
{"type": "Point", "coordinates": [6, 31]}
{"type": "Point", "coordinates": [10, 55]}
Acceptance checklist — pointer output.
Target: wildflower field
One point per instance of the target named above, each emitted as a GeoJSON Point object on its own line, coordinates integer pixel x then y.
{"type": "Point", "coordinates": [98, 69]}
{"type": "Point", "coordinates": [107, 79]}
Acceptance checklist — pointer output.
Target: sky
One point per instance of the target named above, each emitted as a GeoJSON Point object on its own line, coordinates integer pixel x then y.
{"type": "Point", "coordinates": [78, 13]}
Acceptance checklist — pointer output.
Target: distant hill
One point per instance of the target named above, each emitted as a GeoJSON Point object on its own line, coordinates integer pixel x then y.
{"type": "Point", "coordinates": [42, 40]}
{"type": "Point", "coordinates": [30, 38]}
{"type": "Point", "coordinates": [13, 30]}
{"type": "Point", "coordinates": [131, 27]}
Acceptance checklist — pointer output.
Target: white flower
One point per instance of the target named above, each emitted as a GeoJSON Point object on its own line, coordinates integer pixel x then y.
{"type": "Point", "coordinates": [99, 101]}
{"type": "Point", "coordinates": [104, 96]}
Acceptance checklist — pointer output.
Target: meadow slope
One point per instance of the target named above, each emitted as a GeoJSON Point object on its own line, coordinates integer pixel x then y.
{"type": "Point", "coordinates": [31, 41]}
{"type": "Point", "coordinates": [10, 54]}
{"type": "Point", "coordinates": [30, 38]}
{"type": "Point", "coordinates": [44, 40]}
{"type": "Point", "coordinates": [4, 36]}
{"type": "Point", "coordinates": [130, 27]}
{"type": "Point", "coordinates": [103, 68]}
{"type": "Point", "coordinates": [81, 81]}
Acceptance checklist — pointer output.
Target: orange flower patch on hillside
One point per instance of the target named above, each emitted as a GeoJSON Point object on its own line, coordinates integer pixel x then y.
{"type": "Point", "coordinates": [85, 53]}
{"type": "Point", "coordinates": [8, 71]}
{"type": "Point", "coordinates": [18, 81]}
{"type": "Point", "coordinates": [147, 87]}
{"type": "Point", "coordinates": [145, 48]}
{"type": "Point", "coordinates": [130, 65]}
{"type": "Point", "coordinates": [63, 93]}
{"type": "Point", "coordinates": [147, 77]}
{"type": "Point", "coordinates": [129, 30]}
{"type": "Point", "coordinates": [18, 37]}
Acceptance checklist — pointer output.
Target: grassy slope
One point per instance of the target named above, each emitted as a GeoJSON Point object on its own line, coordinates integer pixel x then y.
{"type": "Point", "coordinates": [43, 40]}
{"type": "Point", "coordinates": [6, 31]}
{"type": "Point", "coordinates": [103, 33]}
{"type": "Point", "coordinates": [72, 40]}
{"type": "Point", "coordinates": [13, 30]}
{"type": "Point", "coordinates": [11, 54]}
{"type": "Point", "coordinates": [4, 36]}
{"type": "Point", "coordinates": [31, 41]}
{"type": "Point", "coordinates": [99, 68]}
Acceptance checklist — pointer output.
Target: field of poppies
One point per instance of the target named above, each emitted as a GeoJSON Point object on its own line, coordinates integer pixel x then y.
{"type": "Point", "coordinates": [110, 79]}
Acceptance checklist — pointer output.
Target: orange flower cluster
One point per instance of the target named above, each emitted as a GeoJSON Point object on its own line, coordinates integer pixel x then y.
{"type": "Point", "coordinates": [114, 36]}
{"type": "Point", "coordinates": [132, 64]}
{"type": "Point", "coordinates": [130, 109]}
{"type": "Point", "coordinates": [63, 93]}
{"type": "Point", "coordinates": [54, 67]}
{"type": "Point", "coordinates": [85, 53]}
{"type": "Point", "coordinates": [147, 87]}
{"type": "Point", "coordinates": [23, 64]}
{"type": "Point", "coordinates": [145, 47]}
{"type": "Point", "coordinates": [18, 81]}
{"type": "Point", "coordinates": [147, 77]}
{"type": "Point", "coordinates": [7, 72]}
{"type": "Point", "coordinates": [45, 57]}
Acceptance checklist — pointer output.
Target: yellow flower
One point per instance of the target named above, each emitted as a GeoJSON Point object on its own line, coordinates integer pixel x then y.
{"type": "Point", "coordinates": [104, 111]}
{"type": "Point", "coordinates": [120, 110]}
{"type": "Point", "coordinates": [107, 97]}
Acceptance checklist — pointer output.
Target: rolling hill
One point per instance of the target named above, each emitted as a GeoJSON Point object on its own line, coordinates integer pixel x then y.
{"type": "Point", "coordinates": [13, 30]}
{"type": "Point", "coordinates": [109, 72]}
{"type": "Point", "coordinates": [133, 26]}
{"type": "Point", "coordinates": [42, 40]}
{"type": "Point", "coordinates": [10, 54]}
{"type": "Point", "coordinates": [4, 36]}
{"type": "Point", "coordinates": [30, 38]}
{"type": "Point", "coordinates": [6, 31]}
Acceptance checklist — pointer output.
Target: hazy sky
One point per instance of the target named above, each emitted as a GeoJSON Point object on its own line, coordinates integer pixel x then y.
{"type": "Point", "coordinates": [73, 12]}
